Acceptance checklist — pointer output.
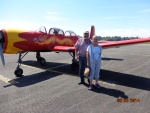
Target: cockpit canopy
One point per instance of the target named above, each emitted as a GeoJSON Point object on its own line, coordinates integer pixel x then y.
{"type": "Point", "coordinates": [70, 33]}
{"type": "Point", "coordinates": [42, 29]}
{"type": "Point", "coordinates": [56, 31]}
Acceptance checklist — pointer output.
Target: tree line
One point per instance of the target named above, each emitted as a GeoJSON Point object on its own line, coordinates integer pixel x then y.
{"type": "Point", "coordinates": [116, 38]}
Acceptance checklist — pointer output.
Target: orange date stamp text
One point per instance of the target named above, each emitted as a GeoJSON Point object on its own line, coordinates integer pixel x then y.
{"type": "Point", "coordinates": [126, 100]}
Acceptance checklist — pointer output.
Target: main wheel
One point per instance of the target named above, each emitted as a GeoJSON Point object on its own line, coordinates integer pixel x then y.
{"type": "Point", "coordinates": [18, 72]}
{"type": "Point", "coordinates": [41, 60]}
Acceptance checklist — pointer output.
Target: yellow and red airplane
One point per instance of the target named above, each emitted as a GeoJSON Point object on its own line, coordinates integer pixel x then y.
{"type": "Point", "coordinates": [13, 41]}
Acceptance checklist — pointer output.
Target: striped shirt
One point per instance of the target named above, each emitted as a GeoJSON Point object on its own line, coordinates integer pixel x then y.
{"type": "Point", "coordinates": [81, 46]}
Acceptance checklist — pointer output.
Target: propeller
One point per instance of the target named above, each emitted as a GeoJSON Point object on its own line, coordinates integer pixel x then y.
{"type": "Point", "coordinates": [1, 48]}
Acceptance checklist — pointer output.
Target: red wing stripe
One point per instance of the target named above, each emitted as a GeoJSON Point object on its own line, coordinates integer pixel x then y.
{"type": "Point", "coordinates": [63, 49]}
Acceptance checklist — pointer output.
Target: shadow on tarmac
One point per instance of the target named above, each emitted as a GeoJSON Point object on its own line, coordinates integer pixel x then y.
{"type": "Point", "coordinates": [127, 80]}
{"type": "Point", "coordinates": [118, 78]}
{"type": "Point", "coordinates": [118, 59]}
{"type": "Point", "coordinates": [111, 92]}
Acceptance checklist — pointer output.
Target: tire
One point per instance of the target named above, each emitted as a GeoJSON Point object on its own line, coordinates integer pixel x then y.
{"type": "Point", "coordinates": [42, 61]}
{"type": "Point", "coordinates": [18, 72]}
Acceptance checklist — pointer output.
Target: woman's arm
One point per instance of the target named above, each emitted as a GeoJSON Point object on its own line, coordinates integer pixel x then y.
{"type": "Point", "coordinates": [88, 58]}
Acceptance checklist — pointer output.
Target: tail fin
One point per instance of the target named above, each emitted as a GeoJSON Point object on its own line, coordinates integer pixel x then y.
{"type": "Point", "coordinates": [92, 33]}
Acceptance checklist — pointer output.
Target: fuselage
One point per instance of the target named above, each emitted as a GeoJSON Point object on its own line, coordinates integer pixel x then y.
{"type": "Point", "coordinates": [21, 40]}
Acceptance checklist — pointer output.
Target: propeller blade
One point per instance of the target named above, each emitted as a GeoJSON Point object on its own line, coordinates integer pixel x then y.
{"type": "Point", "coordinates": [2, 55]}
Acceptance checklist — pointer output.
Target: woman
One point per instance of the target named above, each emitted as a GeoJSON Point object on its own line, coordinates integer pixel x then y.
{"type": "Point", "coordinates": [93, 55]}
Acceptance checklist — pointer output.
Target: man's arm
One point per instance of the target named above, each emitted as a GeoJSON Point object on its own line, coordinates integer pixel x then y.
{"type": "Point", "coordinates": [76, 54]}
{"type": "Point", "coordinates": [77, 50]}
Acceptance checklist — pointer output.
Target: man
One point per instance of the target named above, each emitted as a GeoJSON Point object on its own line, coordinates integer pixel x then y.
{"type": "Point", "coordinates": [81, 46]}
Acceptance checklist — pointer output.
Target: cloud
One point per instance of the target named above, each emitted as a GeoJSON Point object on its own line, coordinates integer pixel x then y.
{"type": "Point", "coordinates": [140, 32]}
{"type": "Point", "coordinates": [111, 17]}
{"type": "Point", "coordinates": [22, 24]}
{"type": "Point", "coordinates": [145, 11]}
{"type": "Point", "coordinates": [54, 16]}
{"type": "Point", "coordinates": [19, 24]}
{"type": "Point", "coordinates": [121, 17]}
{"type": "Point", "coordinates": [52, 13]}
{"type": "Point", "coordinates": [29, 25]}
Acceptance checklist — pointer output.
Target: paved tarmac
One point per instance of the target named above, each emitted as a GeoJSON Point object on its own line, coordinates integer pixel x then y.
{"type": "Point", "coordinates": [53, 88]}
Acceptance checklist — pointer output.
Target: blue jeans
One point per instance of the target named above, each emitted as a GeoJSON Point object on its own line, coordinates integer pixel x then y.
{"type": "Point", "coordinates": [82, 66]}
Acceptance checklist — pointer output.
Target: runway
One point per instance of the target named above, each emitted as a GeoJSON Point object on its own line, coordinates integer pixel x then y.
{"type": "Point", "coordinates": [53, 88]}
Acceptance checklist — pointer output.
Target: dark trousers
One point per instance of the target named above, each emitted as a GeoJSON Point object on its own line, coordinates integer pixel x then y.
{"type": "Point", "coordinates": [82, 66]}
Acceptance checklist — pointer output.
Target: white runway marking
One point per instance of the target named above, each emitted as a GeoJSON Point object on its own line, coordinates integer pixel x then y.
{"type": "Point", "coordinates": [59, 66]}
{"type": "Point", "coordinates": [7, 80]}
{"type": "Point", "coordinates": [4, 79]}
{"type": "Point", "coordinates": [139, 55]}
{"type": "Point", "coordinates": [49, 69]}
{"type": "Point", "coordinates": [111, 84]}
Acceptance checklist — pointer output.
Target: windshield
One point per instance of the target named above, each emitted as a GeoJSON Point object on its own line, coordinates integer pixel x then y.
{"type": "Point", "coordinates": [42, 29]}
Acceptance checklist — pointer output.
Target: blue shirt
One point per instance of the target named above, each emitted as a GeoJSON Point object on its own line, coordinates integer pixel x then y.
{"type": "Point", "coordinates": [94, 52]}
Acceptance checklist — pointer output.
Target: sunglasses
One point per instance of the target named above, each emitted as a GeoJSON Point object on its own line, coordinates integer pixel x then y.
{"type": "Point", "coordinates": [86, 35]}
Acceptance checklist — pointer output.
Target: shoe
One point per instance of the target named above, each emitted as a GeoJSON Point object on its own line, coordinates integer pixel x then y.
{"type": "Point", "coordinates": [97, 85]}
{"type": "Point", "coordinates": [90, 87]}
{"type": "Point", "coordinates": [81, 83]}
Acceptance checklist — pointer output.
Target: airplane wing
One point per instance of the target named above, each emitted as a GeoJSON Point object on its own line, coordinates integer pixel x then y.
{"type": "Point", "coordinates": [106, 44]}
{"type": "Point", "coordinates": [63, 49]}
{"type": "Point", "coordinates": [123, 43]}
{"type": "Point", "coordinates": [110, 44]}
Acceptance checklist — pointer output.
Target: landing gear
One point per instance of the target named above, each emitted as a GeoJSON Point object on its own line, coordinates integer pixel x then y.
{"type": "Point", "coordinates": [40, 59]}
{"type": "Point", "coordinates": [18, 72]}
{"type": "Point", "coordinates": [75, 64]}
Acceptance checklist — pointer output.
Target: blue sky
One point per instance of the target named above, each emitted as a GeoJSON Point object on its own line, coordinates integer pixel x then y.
{"type": "Point", "coordinates": [110, 17]}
